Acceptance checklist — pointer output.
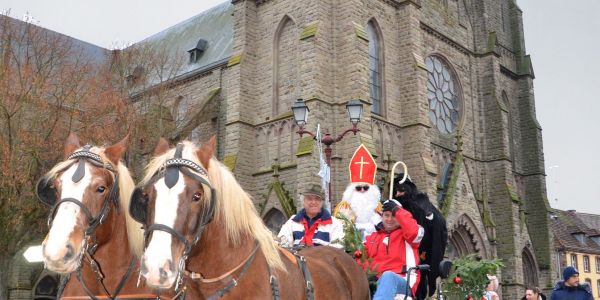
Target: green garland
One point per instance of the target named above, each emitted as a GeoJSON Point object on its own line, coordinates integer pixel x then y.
{"type": "Point", "coordinates": [354, 246]}
{"type": "Point", "coordinates": [469, 277]}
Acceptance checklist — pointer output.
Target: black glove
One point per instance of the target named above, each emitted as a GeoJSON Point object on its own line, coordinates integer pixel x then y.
{"type": "Point", "coordinates": [391, 205]}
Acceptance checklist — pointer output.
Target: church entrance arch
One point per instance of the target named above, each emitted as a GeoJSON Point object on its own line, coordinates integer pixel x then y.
{"type": "Point", "coordinates": [530, 278]}
{"type": "Point", "coordinates": [464, 239]}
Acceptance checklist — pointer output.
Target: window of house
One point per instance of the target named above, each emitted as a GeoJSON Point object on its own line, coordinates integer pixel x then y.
{"type": "Point", "coordinates": [574, 261]}
{"type": "Point", "coordinates": [580, 237]}
{"type": "Point", "coordinates": [598, 287]}
{"type": "Point", "coordinates": [374, 68]}
{"type": "Point", "coordinates": [597, 264]}
{"type": "Point", "coordinates": [198, 50]}
{"type": "Point", "coordinates": [442, 95]}
{"type": "Point", "coordinates": [586, 263]}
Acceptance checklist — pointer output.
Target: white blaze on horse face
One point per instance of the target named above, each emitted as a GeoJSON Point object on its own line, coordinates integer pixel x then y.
{"type": "Point", "coordinates": [165, 212]}
{"type": "Point", "coordinates": [65, 221]}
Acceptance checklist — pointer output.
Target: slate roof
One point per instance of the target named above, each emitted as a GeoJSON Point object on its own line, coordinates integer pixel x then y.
{"type": "Point", "coordinates": [565, 224]}
{"type": "Point", "coordinates": [214, 25]}
{"type": "Point", "coordinates": [93, 53]}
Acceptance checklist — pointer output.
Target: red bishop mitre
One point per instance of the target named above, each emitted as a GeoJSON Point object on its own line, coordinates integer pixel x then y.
{"type": "Point", "coordinates": [362, 166]}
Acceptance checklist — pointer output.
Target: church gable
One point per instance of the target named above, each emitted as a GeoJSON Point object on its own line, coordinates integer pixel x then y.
{"type": "Point", "coordinates": [460, 200]}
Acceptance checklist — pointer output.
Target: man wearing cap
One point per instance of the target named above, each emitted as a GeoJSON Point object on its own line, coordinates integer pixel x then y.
{"type": "Point", "coordinates": [393, 250]}
{"type": "Point", "coordinates": [570, 288]}
{"type": "Point", "coordinates": [313, 225]}
{"type": "Point", "coordinates": [360, 201]}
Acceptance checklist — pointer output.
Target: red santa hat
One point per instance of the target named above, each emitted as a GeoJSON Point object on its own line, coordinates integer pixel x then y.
{"type": "Point", "coordinates": [362, 166]}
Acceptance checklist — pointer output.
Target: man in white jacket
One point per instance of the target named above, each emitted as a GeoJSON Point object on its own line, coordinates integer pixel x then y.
{"type": "Point", "coordinates": [313, 225]}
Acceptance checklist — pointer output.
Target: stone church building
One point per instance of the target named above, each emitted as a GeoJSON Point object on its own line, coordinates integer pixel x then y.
{"type": "Point", "coordinates": [447, 88]}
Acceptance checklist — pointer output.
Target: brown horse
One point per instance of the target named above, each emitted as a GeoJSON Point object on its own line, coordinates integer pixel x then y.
{"type": "Point", "coordinates": [91, 235]}
{"type": "Point", "coordinates": [203, 233]}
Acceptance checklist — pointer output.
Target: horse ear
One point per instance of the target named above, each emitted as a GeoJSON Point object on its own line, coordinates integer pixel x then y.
{"type": "Point", "coordinates": [71, 144]}
{"type": "Point", "coordinates": [162, 147]}
{"type": "Point", "coordinates": [206, 151]}
{"type": "Point", "coordinates": [116, 151]}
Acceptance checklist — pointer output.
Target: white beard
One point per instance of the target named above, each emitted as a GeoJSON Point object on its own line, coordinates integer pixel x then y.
{"type": "Point", "coordinates": [363, 204]}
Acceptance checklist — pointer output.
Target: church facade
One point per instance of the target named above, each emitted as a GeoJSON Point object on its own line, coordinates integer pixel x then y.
{"type": "Point", "coordinates": [447, 88]}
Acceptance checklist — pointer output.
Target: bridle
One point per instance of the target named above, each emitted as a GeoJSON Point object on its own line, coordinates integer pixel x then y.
{"type": "Point", "coordinates": [82, 156]}
{"type": "Point", "coordinates": [89, 240]}
{"type": "Point", "coordinates": [170, 172]}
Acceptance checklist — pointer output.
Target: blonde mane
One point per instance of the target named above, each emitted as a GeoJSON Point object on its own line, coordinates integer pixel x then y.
{"type": "Point", "coordinates": [135, 234]}
{"type": "Point", "coordinates": [234, 206]}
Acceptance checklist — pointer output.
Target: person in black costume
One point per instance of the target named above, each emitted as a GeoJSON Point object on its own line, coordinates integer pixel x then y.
{"type": "Point", "coordinates": [433, 245]}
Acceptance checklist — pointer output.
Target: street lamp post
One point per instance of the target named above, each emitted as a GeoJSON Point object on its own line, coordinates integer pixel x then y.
{"type": "Point", "coordinates": [300, 111]}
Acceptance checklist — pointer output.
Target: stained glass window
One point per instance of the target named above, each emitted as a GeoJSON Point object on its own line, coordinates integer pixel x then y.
{"type": "Point", "coordinates": [442, 94]}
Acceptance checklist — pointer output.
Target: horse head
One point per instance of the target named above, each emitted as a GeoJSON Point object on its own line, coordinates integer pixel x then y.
{"type": "Point", "coordinates": [81, 191]}
{"type": "Point", "coordinates": [174, 202]}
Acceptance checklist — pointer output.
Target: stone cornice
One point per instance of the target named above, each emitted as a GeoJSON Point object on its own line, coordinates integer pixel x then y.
{"type": "Point", "coordinates": [445, 39]}
{"type": "Point", "coordinates": [393, 3]}
{"type": "Point", "coordinates": [506, 71]}
{"type": "Point", "coordinates": [381, 119]}
{"type": "Point", "coordinates": [400, 3]}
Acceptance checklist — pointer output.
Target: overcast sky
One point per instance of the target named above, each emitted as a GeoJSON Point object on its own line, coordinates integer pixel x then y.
{"type": "Point", "coordinates": [561, 36]}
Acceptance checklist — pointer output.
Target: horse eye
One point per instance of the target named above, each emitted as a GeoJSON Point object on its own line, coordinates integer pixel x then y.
{"type": "Point", "coordinates": [197, 196]}
{"type": "Point", "coordinates": [101, 189]}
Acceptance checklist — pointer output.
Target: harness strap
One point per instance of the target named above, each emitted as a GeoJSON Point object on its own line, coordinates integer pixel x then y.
{"type": "Point", "coordinates": [274, 284]}
{"type": "Point", "coordinates": [234, 281]}
{"type": "Point", "coordinates": [63, 283]}
{"type": "Point", "coordinates": [99, 278]}
{"type": "Point", "coordinates": [310, 289]}
{"type": "Point", "coordinates": [84, 286]}
{"type": "Point", "coordinates": [125, 277]}
{"type": "Point", "coordinates": [199, 277]}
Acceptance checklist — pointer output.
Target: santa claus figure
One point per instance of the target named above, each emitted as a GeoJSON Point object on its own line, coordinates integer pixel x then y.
{"type": "Point", "coordinates": [360, 202]}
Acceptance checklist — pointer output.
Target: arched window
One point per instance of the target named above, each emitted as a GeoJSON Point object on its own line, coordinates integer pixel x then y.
{"type": "Point", "coordinates": [529, 270]}
{"type": "Point", "coordinates": [180, 110]}
{"type": "Point", "coordinates": [443, 95]}
{"type": "Point", "coordinates": [46, 288]}
{"type": "Point", "coordinates": [510, 126]}
{"type": "Point", "coordinates": [286, 79]}
{"type": "Point", "coordinates": [375, 67]}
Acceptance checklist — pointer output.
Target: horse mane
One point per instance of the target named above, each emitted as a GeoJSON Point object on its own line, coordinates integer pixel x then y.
{"type": "Point", "coordinates": [135, 234]}
{"type": "Point", "coordinates": [234, 208]}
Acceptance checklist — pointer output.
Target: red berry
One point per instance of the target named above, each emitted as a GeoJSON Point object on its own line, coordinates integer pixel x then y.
{"type": "Point", "coordinates": [357, 254]}
{"type": "Point", "coordinates": [470, 298]}
{"type": "Point", "coordinates": [457, 280]}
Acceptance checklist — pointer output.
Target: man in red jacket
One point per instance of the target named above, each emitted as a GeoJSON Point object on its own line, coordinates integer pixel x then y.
{"type": "Point", "coordinates": [392, 248]}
